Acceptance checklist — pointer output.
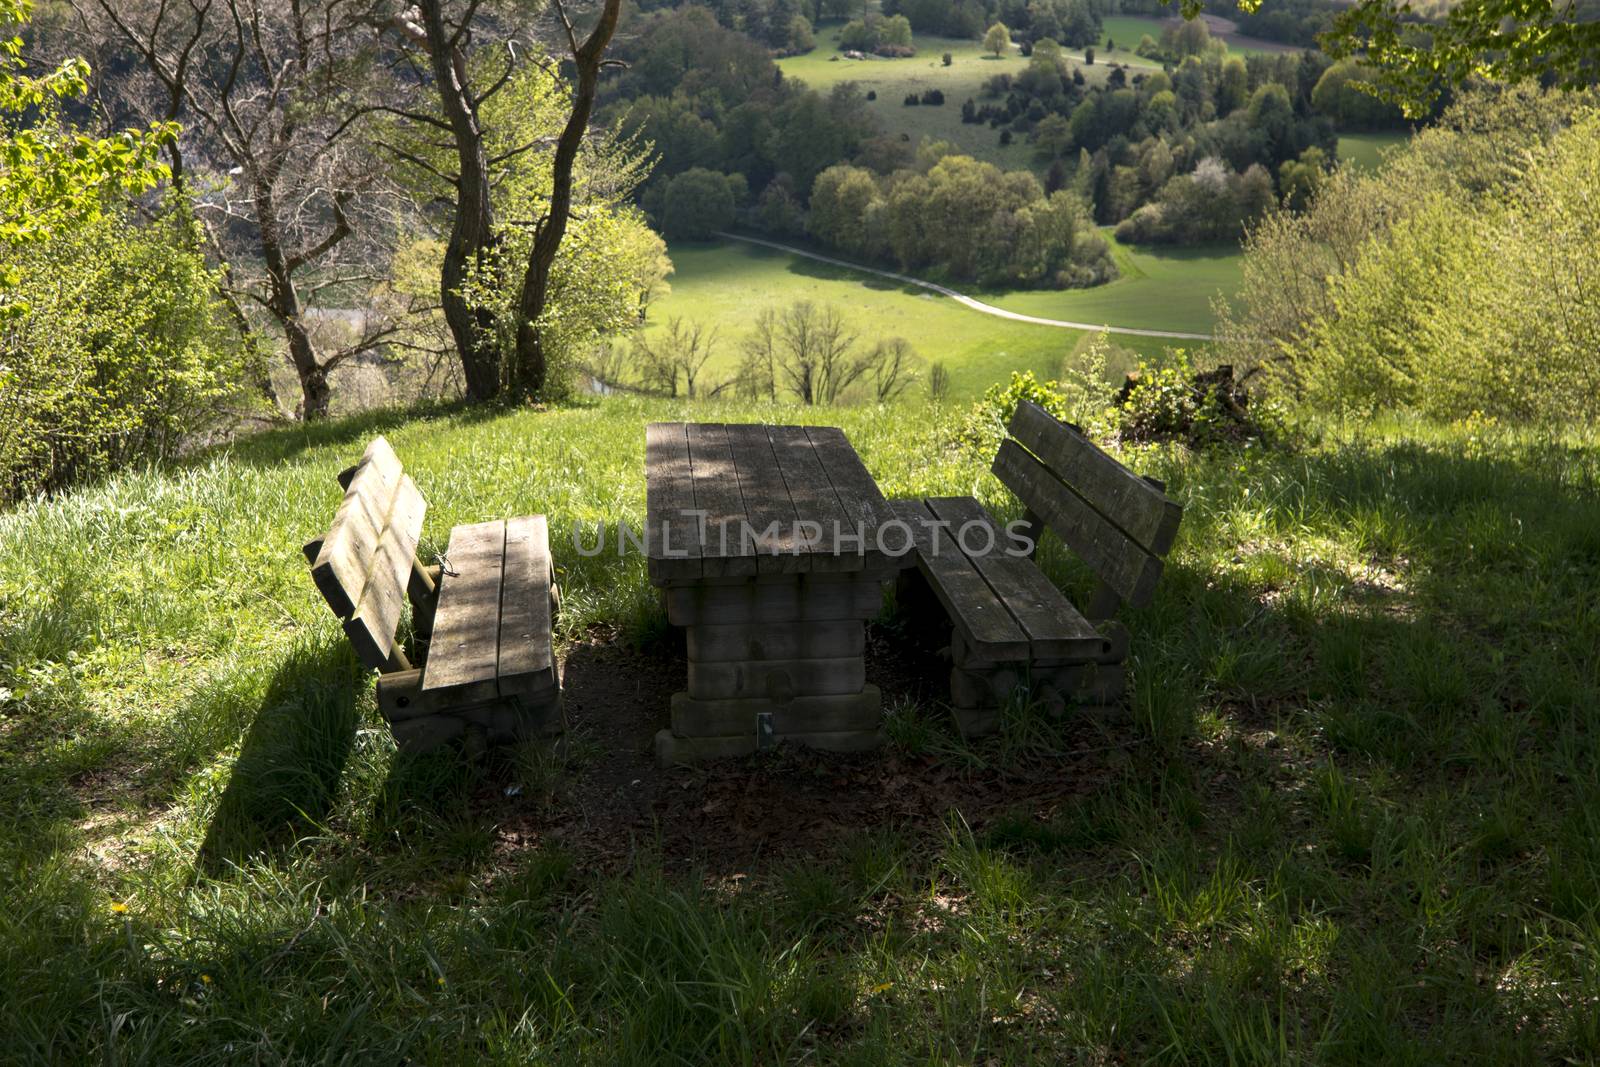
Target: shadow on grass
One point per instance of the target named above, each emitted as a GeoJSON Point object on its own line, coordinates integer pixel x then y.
{"type": "Point", "coordinates": [287, 774]}
{"type": "Point", "coordinates": [279, 445]}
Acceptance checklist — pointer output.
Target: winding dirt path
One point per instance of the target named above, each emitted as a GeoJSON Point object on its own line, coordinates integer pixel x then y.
{"type": "Point", "coordinates": [962, 298]}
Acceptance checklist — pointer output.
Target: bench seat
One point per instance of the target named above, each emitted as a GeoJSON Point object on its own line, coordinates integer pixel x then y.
{"type": "Point", "coordinates": [486, 671]}
{"type": "Point", "coordinates": [1010, 627]}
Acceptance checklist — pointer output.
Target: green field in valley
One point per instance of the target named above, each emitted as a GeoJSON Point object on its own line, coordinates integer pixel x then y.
{"type": "Point", "coordinates": [1161, 288]}
{"type": "Point", "coordinates": [892, 79]}
{"type": "Point", "coordinates": [1364, 151]}
{"type": "Point", "coordinates": [727, 284]}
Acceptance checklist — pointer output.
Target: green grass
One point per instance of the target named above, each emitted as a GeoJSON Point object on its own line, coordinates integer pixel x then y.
{"type": "Point", "coordinates": [1159, 289]}
{"type": "Point", "coordinates": [1364, 151]}
{"type": "Point", "coordinates": [1128, 30]}
{"type": "Point", "coordinates": [727, 284]}
{"type": "Point", "coordinates": [1353, 820]}
{"type": "Point", "coordinates": [892, 79]}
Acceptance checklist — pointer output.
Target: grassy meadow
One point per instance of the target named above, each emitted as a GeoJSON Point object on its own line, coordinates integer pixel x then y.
{"type": "Point", "coordinates": [1160, 288]}
{"type": "Point", "coordinates": [892, 79]}
{"type": "Point", "coordinates": [727, 284]}
{"type": "Point", "coordinates": [1350, 817]}
{"type": "Point", "coordinates": [1365, 151]}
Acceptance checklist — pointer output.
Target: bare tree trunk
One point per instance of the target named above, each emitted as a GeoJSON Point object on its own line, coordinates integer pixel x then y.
{"type": "Point", "coordinates": [472, 233]}
{"type": "Point", "coordinates": [530, 365]}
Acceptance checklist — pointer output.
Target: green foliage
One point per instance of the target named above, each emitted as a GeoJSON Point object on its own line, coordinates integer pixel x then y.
{"type": "Point", "coordinates": [1535, 41]}
{"type": "Point", "coordinates": [984, 425]}
{"type": "Point", "coordinates": [964, 219]}
{"type": "Point", "coordinates": [51, 175]}
{"type": "Point", "coordinates": [1171, 402]}
{"type": "Point", "coordinates": [1450, 284]}
{"type": "Point", "coordinates": [997, 39]}
{"type": "Point", "coordinates": [114, 353]}
{"type": "Point", "coordinates": [610, 262]}
{"type": "Point", "coordinates": [697, 204]}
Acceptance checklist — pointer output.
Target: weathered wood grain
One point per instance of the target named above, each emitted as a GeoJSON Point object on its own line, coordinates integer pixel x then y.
{"type": "Point", "coordinates": [340, 569]}
{"type": "Point", "coordinates": [463, 658]}
{"type": "Point", "coordinates": [972, 605]}
{"type": "Point", "coordinates": [1054, 627]}
{"type": "Point", "coordinates": [372, 625]}
{"type": "Point", "coordinates": [815, 501]}
{"type": "Point", "coordinates": [716, 492]}
{"type": "Point", "coordinates": [859, 497]}
{"type": "Point", "coordinates": [1140, 509]}
{"type": "Point", "coordinates": [1119, 560]}
{"type": "Point", "coordinates": [526, 664]}
{"type": "Point", "coordinates": [767, 503]}
{"type": "Point", "coordinates": [673, 535]}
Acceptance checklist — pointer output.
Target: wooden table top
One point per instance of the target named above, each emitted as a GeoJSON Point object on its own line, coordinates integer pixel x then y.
{"type": "Point", "coordinates": [772, 498]}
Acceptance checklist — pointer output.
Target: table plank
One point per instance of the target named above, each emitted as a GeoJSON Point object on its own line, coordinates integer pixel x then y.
{"type": "Point", "coordinates": [716, 492]}
{"type": "Point", "coordinates": [766, 499]}
{"type": "Point", "coordinates": [525, 665]}
{"type": "Point", "coordinates": [858, 492]}
{"type": "Point", "coordinates": [669, 500]}
{"type": "Point", "coordinates": [463, 655]}
{"type": "Point", "coordinates": [814, 500]}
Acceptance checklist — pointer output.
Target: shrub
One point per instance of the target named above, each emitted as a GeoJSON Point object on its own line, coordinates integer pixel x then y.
{"type": "Point", "coordinates": [948, 59]}
{"type": "Point", "coordinates": [698, 203]}
{"type": "Point", "coordinates": [911, 100]}
{"type": "Point", "coordinates": [114, 353]}
{"type": "Point", "coordinates": [933, 98]}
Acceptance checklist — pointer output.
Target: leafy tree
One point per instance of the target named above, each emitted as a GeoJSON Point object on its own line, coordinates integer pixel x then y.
{"type": "Point", "coordinates": [113, 349]}
{"type": "Point", "coordinates": [1511, 40]}
{"type": "Point", "coordinates": [503, 348]}
{"type": "Point", "coordinates": [698, 203]}
{"type": "Point", "coordinates": [997, 40]}
{"type": "Point", "coordinates": [799, 38]}
{"type": "Point", "coordinates": [268, 157]}
{"type": "Point", "coordinates": [53, 176]}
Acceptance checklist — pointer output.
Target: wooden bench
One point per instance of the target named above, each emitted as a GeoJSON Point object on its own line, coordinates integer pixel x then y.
{"type": "Point", "coordinates": [486, 672]}
{"type": "Point", "coordinates": [1010, 626]}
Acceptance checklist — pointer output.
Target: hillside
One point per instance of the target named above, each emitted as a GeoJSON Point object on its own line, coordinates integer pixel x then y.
{"type": "Point", "coordinates": [1354, 781]}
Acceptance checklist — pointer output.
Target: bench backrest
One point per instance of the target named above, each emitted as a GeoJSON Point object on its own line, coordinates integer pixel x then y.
{"type": "Point", "coordinates": [1118, 523]}
{"type": "Point", "coordinates": [363, 565]}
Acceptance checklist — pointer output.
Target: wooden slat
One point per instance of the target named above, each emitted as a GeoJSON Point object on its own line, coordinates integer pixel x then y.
{"type": "Point", "coordinates": [1119, 560]}
{"type": "Point", "coordinates": [858, 492]}
{"type": "Point", "coordinates": [1054, 627]}
{"type": "Point", "coordinates": [766, 499]}
{"type": "Point", "coordinates": [340, 569]}
{"type": "Point", "coordinates": [977, 613]}
{"type": "Point", "coordinates": [372, 625]}
{"type": "Point", "coordinates": [814, 499]}
{"type": "Point", "coordinates": [525, 656]}
{"type": "Point", "coordinates": [463, 656]}
{"type": "Point", "coordinates": [716, 492]}
{"type": "Point", "coordinates": [669, 498]}
{"type": "Point", "coordinates": [1129, 501]}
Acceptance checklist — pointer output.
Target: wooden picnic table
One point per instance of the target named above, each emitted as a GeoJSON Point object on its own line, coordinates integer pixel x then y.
{"type": "Point", "coordinates": [765, 541]}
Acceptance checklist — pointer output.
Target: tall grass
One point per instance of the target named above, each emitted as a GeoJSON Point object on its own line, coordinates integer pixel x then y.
{"type": "Point", "coordinates": [1355, 820]}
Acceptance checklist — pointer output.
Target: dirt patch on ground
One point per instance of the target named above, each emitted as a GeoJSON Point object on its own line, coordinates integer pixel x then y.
{"type": "Point", "coordinates": [611, 800]}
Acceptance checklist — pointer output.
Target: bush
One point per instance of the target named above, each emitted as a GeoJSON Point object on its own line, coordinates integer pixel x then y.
{"type": "Point", "coordinates": [114, 353]}
{"type": "Point", "coordinates": [697, 204]}
{"type": "Point", "coordinates": [933, 98]}
{"type": "Point", "coordinates": [1458, 283]}
{"type": "Point", "coordinates": [911, 100]}
{"type": "Point", "coordinates": [948, 59]}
